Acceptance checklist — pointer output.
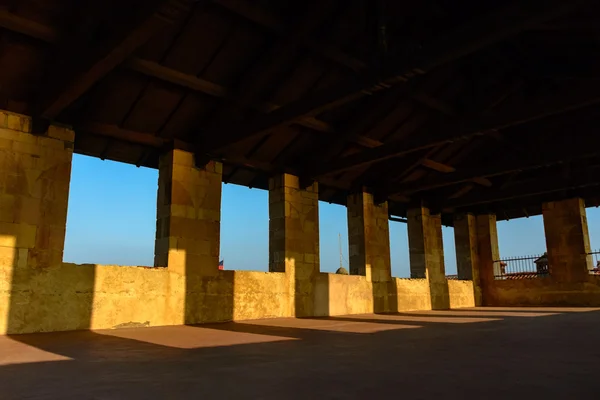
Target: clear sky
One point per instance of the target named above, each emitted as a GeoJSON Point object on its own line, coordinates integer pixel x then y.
{"type": "Point", "coordinates": [112, 220]}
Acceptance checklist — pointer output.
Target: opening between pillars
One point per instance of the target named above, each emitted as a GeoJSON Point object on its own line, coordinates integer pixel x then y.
{"type": "Point", "coordinates": [333, 238]}
{"type": "Point", "coordinates": [111, 216]}
{"type": "Point", "coordinates": [524, 240]}
{"type": "Point", "coordinates": [244, 243]}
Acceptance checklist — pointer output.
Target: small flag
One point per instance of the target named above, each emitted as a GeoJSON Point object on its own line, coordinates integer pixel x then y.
{"type": "Point", "coordinates": [221, 264]}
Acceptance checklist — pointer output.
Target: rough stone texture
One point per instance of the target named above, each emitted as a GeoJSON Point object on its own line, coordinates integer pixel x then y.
{"type": "Point", "coordinates": [40, 293]}
{"type": "Point", "coordinates": [567, 240]}
{"type": "Point", "coordinates": [467, 252]}
{"type": "Point", "coordinates": [188, 215]}
{"type": "Point", "coordinates": [545, 292]}
{"type": "Point", "coordinates": [294, 238]}
{"type": "Point", "coordinates": [462, 293]}
{"type": "Point", "coordinates": [369, 238]}
{"type": "Point", "coordinates": [427, 254]}
{"type": "Point", "coordinates": [487, 244]}
{"type": "Point", "coordinates": [35, 172]}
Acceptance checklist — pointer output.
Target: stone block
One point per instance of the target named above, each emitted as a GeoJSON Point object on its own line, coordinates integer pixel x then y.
{"type": "Point", "coordinates": [61, 133]}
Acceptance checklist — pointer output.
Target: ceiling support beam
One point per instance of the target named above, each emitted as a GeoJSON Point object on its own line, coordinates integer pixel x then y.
{"type": "Point", "coordinates": [569, 100]}
{"type": "Point", "coordinates": [551, 184]}
{"type": "Point", "coordinates": [88, 67]}
{"type": "Point", "coordinates": [470, 38]}
{"type": "Point", "coordinates": [259, 16]}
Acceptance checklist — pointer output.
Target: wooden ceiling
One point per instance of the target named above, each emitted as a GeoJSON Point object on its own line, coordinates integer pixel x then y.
{"type": "Point", "coordinates": [483, 106]}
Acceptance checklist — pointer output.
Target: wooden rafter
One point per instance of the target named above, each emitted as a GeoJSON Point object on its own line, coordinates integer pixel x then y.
{"type": "Point", "coordinates": [551, 184]}
{"type": "Point", "coordinates": [250, 11]}
{"type": "Point", "coordinates": [468, 39]}
{"type": "Point", "coordinates": [568, 100]}
{"type": "Point", "coordinates": [87, 68]}
{"type": "Point", "coordinates": [577, 147]}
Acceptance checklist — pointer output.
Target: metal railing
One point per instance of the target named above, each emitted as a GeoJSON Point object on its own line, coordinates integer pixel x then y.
{"type": "Point", "coordinates": [452, 277]}
{"type": "Point", "coordinates": [526, 267]}
{"type": "Point", "coordinates": [595, 256]}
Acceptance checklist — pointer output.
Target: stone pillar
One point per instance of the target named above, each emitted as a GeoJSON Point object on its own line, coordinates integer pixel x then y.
{"type": "Point", "coordinates": [35, 172]}
{"type": "Point", "coordinates": [369, 238]}
{"type": "Point", "coordinates": [294, 238]}
{"type": "Point", "coordinates": [567, 240]}
{"type": "Point", "coordinates": [467, 252]}
{"type": "Point", "coordinates": [487, 244]}
{"type": "Point", "coordinates": [188, 215]}
{"type": "Point", "coordinates": [427, 254]}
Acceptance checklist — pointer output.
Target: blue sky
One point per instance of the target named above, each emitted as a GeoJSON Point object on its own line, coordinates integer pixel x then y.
{"type": "Point", "coordinates": [112, 220]}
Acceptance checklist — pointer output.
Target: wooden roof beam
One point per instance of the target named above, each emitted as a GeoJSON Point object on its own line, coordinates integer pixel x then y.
{"type": "Point", "coordinates": [468, 39]}
{"type": "Point", "coordinates": [569, 100]}
{"type": "Point", "coordinates": [575, 147]}
{"type": "Point", "coordinates": [89, 66]}
{"type": "Point", "coordinates": [153, 69]}
{"type": "Point", "coordinates": [26, 27]}
{"type": "Point", "coordinates": [437, 166]}
{"type": "Point", "coordinates": [584, 178]}
{"type": "Point", "coordinates": [250, 11]}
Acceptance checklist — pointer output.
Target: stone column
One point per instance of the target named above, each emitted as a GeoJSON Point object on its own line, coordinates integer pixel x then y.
{"type": "Point", "coordinates": [487, 244]}
{"type": "Point", "coordinates": [188, 215]}
{"type": "Point", "coordinates": [35, 172]}
{"type": "Point", "coordinates": [567, 240]}
{"type": "Point", "coordinates": [294, 238]}
{"type": "Point", "coordinates": [427, 254]}
{"type": "Point", "coordinates": [369, 238]}
{"type": "Point", "coordinates": [467, 252]}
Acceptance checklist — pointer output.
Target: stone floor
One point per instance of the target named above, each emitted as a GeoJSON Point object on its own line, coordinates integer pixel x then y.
{"type": "Point", "coordinates": [485, 353]}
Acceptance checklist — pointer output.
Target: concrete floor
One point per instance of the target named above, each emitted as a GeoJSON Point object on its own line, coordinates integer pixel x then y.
{"type": "Point", "coordinates": [491, 353]}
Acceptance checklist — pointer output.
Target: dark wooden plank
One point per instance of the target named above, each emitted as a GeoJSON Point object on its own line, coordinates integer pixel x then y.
{"type": "Point", "coordinates": [471, 37]}
{"type": "Point", "coordinates": [567, 100]}
{"type": "Point", "coordinates": [87, 68]}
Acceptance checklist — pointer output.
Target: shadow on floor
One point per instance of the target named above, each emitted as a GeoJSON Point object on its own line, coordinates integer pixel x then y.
{"type": "Point", "coordinates": [550, 356]}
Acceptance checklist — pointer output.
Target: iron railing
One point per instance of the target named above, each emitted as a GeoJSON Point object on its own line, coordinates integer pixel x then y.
{"type": "Point", "coordinates": [527, 267]}
{"type": "Point", "coordinates": [452, 277]}
{"type": "Point", "coordinates": [595, 256]}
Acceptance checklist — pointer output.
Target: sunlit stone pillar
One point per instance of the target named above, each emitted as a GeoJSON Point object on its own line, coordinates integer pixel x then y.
{"type": "Point", "coordinates": [188, 215]}
{"type": "Point", "coordinates": [294, 238]}
{"type": "Point", "coordinates": [567, 239]}
{"type": "Point", "coordinates": [427, 254]}
{"type": "Point", "coordinates": [35, 172]}
{"type": "Point", "coordinates": [369, 238]}
{"type": "Point", "coordinates": [487, 244]}
{"type": "Point", "coordinates": [467, 252]}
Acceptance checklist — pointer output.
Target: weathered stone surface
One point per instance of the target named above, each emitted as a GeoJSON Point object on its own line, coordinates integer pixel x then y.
{"type": "Point", "coordinates": [467, 252]}
{"type": "Point", "coordinates": [567, 240]}
{"type": "Point", "coordinates": [294, 238]}
{"type": "Point", "coordinates": [427, 254]}
{"type": "Point", "coordinates": [369, 238]}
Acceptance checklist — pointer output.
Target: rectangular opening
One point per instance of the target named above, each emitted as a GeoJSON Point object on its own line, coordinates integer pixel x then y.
{"type": "Point", "coordinates": [523, 249]}
{"type": "Point", "coordinates": [244, 228]}
{"type": "Point", "coordinates": [333, 238]}
{"type": "Point", "coordinates": [449, 252]}
{"type": "Point", "coordinates": [593, 216]}
{"type": "Point", "coordinates": [399, 248]}
{"type": "Point", "coordinates": [111, 217]}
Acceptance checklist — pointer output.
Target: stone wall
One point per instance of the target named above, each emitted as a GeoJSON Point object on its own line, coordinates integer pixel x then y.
{"type": "Point", "coordinates": [544, 292]}
{"type": "Point", "coordinates": [40, 293]}
{"type": "Point", "coordinates": [74, 297]}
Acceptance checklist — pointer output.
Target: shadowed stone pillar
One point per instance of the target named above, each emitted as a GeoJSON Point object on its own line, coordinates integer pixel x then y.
{"type": "Point", "coordinates": [467, 252]}
{"type": "Point", "coordinates": [427, 254]}
{"type": "Point", "coordinates": [567, 240]}
{"type": "Point", "coordinates": [487, 244]}
{"type": "Point", "coordinates": [294, 238]}
{"type": "Point", "coordinates": [35, 172]}
{"type": "Point", "coordinates": [369, 238]}
{"type": "Point", "coordinates": [188, 215]}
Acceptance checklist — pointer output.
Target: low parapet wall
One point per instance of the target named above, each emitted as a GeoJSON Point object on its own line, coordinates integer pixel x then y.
{"type": "Point", "coordinates": [74, 297]}
{"type": "Point", "coordinates": [544, 291]}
